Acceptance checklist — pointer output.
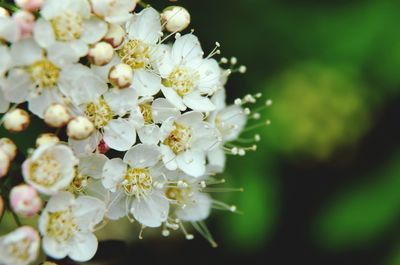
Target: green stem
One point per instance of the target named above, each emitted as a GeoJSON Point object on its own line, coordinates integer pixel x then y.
{"type": "Point", "coordinates": [143, 4]}
{"type": "Point", "coordinates": [17, 221]}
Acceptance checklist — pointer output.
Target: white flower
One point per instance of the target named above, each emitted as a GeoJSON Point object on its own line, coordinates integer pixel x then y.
{"type": "Point", "coordinates": [20, 247]}
{"type": "Point", "coordinates": [67, 225]}
{"type": "Point", "coordinates": [185, 141]}
{"type": "Point", "coordinates": [50, 168]}
{"type": "Point", "coordinates": [132, 182]}
{"type": "Point", "coordinates": [113, 11]}
{"type": "Point", "coordinates": [4, 103]}
{"type": "Point", "coordinates": [191, 204]}
{"type": "Point", "coordinates": [229, 121]}
{"type": "Point", "coordinates": [33, 78]}
{"type": "Point", "coordinates": [187, 77]}
{"type": "Point", "coordinates": [66, 28]}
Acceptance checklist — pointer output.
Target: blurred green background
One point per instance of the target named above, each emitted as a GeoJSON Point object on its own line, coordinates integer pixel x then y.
{"type": "Point", "coordinates": [324, 184]}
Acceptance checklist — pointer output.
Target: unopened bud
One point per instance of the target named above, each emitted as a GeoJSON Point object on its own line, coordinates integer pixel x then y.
{"type": "Point", "coordinates": [1, 206]}
{"type": "Point", "coordinates": [47, 138]}
{"type": "Point", "coordinates": [4, 164]}
{"type": "Point", "coordinates": [103, 147]}
{"type": "Point", "coordinates": [4, 12]}
{"type": "Point", "coordinates": [25, 21]}
{"type": "Point", "coordinates": [8, 147]}
{"type": "Point", "coordinates": [176, 18]}
{"type": "Point", "coordinates": [121, 75]}
{"type": "Point", "coordinates": [80, 128]}
{"type": "Point", "coordinates": [16, 120]}
{"type": "Point", "coordinates": [115, 35]}
{"type": "Point", "coordinates": [101, 53]}
{"type": "Point", "coordinates": [29, 5]}
{"type": "Point", "coordinates": [25, 201]}
{"type": "Point", "coordinates": [56, 115]}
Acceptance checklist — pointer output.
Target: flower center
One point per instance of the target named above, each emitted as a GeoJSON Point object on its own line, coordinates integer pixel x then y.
{"type": "Point", "coordinates": [145, 109]}
{"type": "Point", "coordinates": [44, 74]}
{"type": "Point", "coordinates": [79, 183]}
{"type": "Point", "coordinates": [179, 195]}
{"type": "Point", "coordinates": [61, 225]}
{"type": "Point", "coordinates": [137, 182]}
{"type": "Point", "coordinates": [45, 171]}
{"type": "Point", "coordinates": [99, 113]}
{"type": "Point", "coordinates": [135, 53]}
{"type": "Point", "coordinates": [20, 249]}
{"type": "Point", "coordinates": [181, 80]}
{"type": "Point", "coordinates": [68, 26]}
{"type": "Point", "coordinates": [179, 139]}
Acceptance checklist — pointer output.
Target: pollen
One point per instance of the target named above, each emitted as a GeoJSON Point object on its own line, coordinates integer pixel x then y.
{"type": "Point", "coordinates": [61, 225]}
{"type": "Point", "coordinates": [145, 109]}
{"type": "Point", "coordinates": [68, 26]}
{"type": "Point", "coordinates": [181, 80]}
{"type": "Point", "coordinates": [45, 171]}
{"type": "Point", "coordinates": [20, 249]}
{"type": "Point", "coordinates": [179, 195]}
{"type": "Point", "coordinates": [179, 140]}
{"type": "Point", "coordinates": [99, 113]}
{"type": "Point", "coordinates": [135, 53]}
{"type": "Point", "coordinates": [137, 182]}
{"type": "Point", "coordinates": [44, 74]}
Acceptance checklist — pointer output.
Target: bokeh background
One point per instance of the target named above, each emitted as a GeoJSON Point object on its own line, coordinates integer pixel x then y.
{"type": "Point", "coordinates": [324, 184]}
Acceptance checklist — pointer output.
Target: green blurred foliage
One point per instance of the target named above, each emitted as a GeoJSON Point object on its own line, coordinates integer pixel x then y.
{"type": "Point", "coordinates": [316, 109]}
{"type": "Point", "coordinates": [364, 212]}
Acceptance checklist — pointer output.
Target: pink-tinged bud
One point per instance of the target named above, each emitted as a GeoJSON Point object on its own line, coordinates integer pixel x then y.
{"type": "Point", "coordinates": [103, 147]}
{"type": "Point", "coordinates": [4, 164]}
{"type": "Point", "coordinates": [1, 206]}
{"type": "Point", "coordinates": [25, 21]}
{"type": "Point", "coordinates": [29, 5]}
{"type": "Point", "coordinates": [25, 201]}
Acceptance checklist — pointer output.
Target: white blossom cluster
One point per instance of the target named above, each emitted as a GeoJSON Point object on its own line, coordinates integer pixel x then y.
{"type": "Point", "coordinates": [139, 126]}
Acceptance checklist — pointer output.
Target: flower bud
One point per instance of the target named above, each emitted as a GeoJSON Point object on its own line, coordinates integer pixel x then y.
{"type": "Point", "coordinates": [8, 147]}
{"type": "Point", "coordinates": [1, 206]}
{"type": "Point", "coordinates": [121, 75]}
{"type": "Point", "coordinates": [16, 120]}
{"type": "Point", "coordinates": [47, 138]}
{"type": "Point", "coordinates": [115, 35]}
{"type": "Point", "coordinates": [80, 128]}
{"type": "Point", "coordinates": [25, 200]}
{"type": "Point", "coordinates": [176, 18]}
{"type": "Point", "coordinates": [56, 115]}
{"type": "Point", "coordinates": [4, 12]}
{"type": "Point", "coordinates": [4, 164]}
{"type": "Point", "coordinates": [102, 147]}
{"type": "Point", "coordinates": [25, 21]}
{"type": "Point", "coordinates": [29, 5]}
{"type": "Point", "coordinates": [101, 53]}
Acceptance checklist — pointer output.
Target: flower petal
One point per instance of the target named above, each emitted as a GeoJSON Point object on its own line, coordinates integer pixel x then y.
{"type": "Point", "coordinates": [120, 134]}
{"type": "Point", "coordinates": [142, 156]}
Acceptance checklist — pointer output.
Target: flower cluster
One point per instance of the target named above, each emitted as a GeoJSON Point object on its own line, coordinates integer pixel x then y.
{"type": "Point", "coordinates": [137, 117]}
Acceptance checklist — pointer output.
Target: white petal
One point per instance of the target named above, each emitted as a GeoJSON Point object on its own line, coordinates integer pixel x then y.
{"type": "Point", "coordinates": [216, 160]}
{"type": "Point", "coordinates": [162, 110]}
{"type": "Point", "coordinates": [168, 157]}
{"type": "Point", "coordinates": [191, 118]}
{"type": "Point", "coordinates": [17, 86]}
{"type": "Point", "coordinates": [149, 134]}
{"type": "Point", "coordinates": [5, 59]}
{"type": "Point", "coordinates": [173, 98]}
{"type": "Point", "coordinates": [83, 247]}
{"type": "Point", "coordinates": [4, 104]}
{"type": "Point", "coordinates": [59, 202]}
{"type": "Point", "coordinates": [113, 172]}
{"type": "Point", "coordinates": [118, 206]}
{"type": "Point", "coordinates": [121, 100]}
{"type": "Point", "coordinates": [92, 165]}
{"type": "Point", "coordinates": [145, 26]}
{"type": "Point", "coordinates": [187, 51]}
{"type": "Point", "coordinates": [192, 163]}
{"type": "Point", "coordinates": [120, 134]}
{"type": "Point", "coordinates": [198, 103]}
{"type": "Point", "coordinates": [25, 52]}
{"type": "Point", "coordinates": [9, 29]}
{"type": "Point", "coordinates": [54, 249]}
{"type": "Point", "coordinates": [94, 30]}
{"type": "Point", "coordinates": [151, 211]}
{"type": "Point", "coordinates": [85, 146]}
{"type": "Point", "coordinates": [88, 211]}
{"type": "Point", "coordinates": [142, 156]}
{"type": "Point", "coordinates": [38, 104]}
{"type": "Point", "coordinates": [164, 61]}
{"type": "Point", "coordinates": [219, 99]}
{"type": "Point", "coordinates": [43, 33]}
{"type": "Point", "coordinates": [210, 74]}
{"type": "Point", "coordinates": [197, 209]}
{"type": "Point", "coordinates": [146, 83]}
